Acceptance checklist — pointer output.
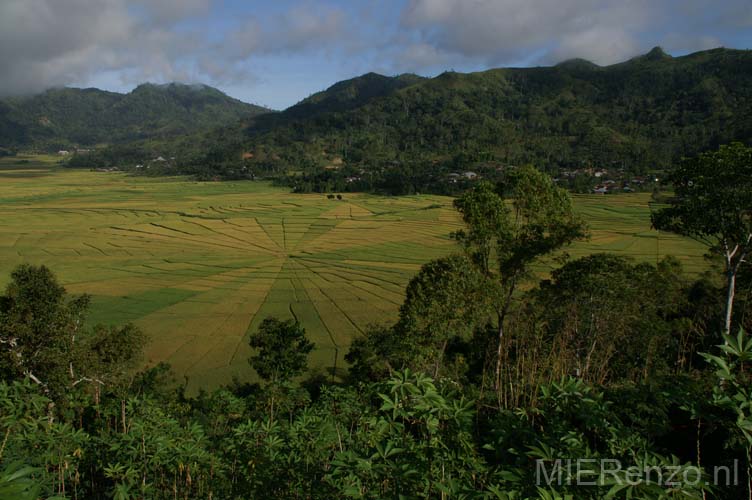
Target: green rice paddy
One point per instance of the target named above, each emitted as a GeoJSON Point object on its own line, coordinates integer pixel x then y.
{"type": "Point", "coordinates": [197, 265]}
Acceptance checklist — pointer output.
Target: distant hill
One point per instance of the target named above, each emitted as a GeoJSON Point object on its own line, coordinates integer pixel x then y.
{"type": "Point", "coordinates": [640, 115]}
{"type": "Point", "coordinates": [645, 112]}
{"type": "Point", "coordinates": [350, 94]}
{"type": "Point", "coordinates": [68, 117]}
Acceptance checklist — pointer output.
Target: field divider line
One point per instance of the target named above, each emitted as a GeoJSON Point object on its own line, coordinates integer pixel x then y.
{"type": "Point", "coordinates": [120, 247]}
{"type": "Point", "coordinates": [344, 313]}
{"type": "Point", "coordinates": [367, 278]}
{"type": "Point", "coordinates": [172, 229]}
{"type": "Point", "coordinates": [361, 267]}
{"type": "Point", "coordinates": [329, 229]}
{"type": "Point", "coordinates": [201, 242]}
{"type": "Point", "coordinates": [318, 312]}
{"type": "Point", "coordinates": [356, 272]}
{"type": "Point", "coordinates": [241, 230]}
{"type": "Point", "coordinates": [95, 248]}
{"type": "Point", "coordinates": [346, 282]}
{"type": "Point", "coordinates": [219, 328]}
{"type": "Point", "coordinates": [261, 305]}
{"type": "Point", "coordinates": [267, 234]}
{"type": "Point", "coordinates": [355, 285]}
{"type": "Point", "coordinates": [270, 250]}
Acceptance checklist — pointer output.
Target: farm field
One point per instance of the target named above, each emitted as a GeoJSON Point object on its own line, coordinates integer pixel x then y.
{"type": "Point", "coordinates": [197, 265]}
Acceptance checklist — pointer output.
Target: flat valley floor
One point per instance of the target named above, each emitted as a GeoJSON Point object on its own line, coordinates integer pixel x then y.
{"type": "Point", "coordinates": [197, 265]}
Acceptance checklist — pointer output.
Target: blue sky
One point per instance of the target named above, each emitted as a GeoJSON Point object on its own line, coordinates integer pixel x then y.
{"type": "Point", "coordinates": [276, 53]}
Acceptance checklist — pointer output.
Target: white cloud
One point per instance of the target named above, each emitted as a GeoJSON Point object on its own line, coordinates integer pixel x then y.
{"type": "Point", "coordinates": [304, 28]}
{"type": "Point", "coordinates": [497, 31]}
{"type": "Point", "coordinates": [46, 43]}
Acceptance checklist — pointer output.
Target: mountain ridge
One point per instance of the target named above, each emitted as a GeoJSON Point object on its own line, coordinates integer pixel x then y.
{"type": "Point", "coordinates": [68, 116]}
{"type": "Point", "coordinates": [650, 110]}
{"type": "Point", "coordinates": [643, 113]}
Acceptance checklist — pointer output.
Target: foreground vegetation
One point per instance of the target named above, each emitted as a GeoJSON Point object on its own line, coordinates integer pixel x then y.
{"type": "Point", "coordinates": [487, 377]}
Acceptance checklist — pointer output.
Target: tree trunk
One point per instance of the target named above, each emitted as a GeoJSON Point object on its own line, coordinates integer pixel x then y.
{"type": "Point", "coordinates": [734, 259]}
{"type": "Point", "coordinates": [439, 359]}
{"type": "Point", "coordinates": [497, 378]}
{"type": "Point", "coordinates": [502, 316]}
{"type": "Point", "coordinates": [271, 409]}
{"type": "Point", "coordinates": [730, 292]}
{"type": "Point", "coordinates": [122, 416]}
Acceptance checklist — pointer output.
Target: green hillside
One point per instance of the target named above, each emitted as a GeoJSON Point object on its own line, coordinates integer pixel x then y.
{"type": "Point", "coordinates": [645, 112]}
{"type": "Point", "coordinates": [68, 117]}
{"type": "Point", "coordinates": [406, 133]}
{"type": "Point", "coordinates": [348, 95]}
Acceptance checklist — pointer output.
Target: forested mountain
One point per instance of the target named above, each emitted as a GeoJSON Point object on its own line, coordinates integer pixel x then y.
{"type": "Point", "coordinates": [645, 112]}
{"type": "Point", "coordinates": [407, 133]}
{"type": "Point", "coordinates": [348, 95]}
{"type": "Point", "coordinates": [67, 117]}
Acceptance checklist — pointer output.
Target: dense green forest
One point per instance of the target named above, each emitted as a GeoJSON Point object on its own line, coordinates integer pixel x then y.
{"type": "Point", "coordinates": [491, 384]}
{"type": "Point", "coordinates": [646, 112]}
{"type": "Point", "coordinates": [69, 118]}
{"type": "Point", "coordinates": [407, 134]}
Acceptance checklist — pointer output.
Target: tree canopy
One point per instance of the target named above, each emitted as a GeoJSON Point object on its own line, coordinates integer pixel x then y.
{"type": "Point", "coordinates": [713, 203]}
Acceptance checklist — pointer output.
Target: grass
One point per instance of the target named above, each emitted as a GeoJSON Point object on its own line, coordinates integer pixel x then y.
{"type": "Point", "coordinates": [197, 265]}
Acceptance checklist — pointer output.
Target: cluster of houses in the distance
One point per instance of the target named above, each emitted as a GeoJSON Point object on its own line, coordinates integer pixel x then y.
{"type": "Point", "coordinates": [592, 180]}
{"type": "Point", "coordinates": [608, 181]}
{"type": "Point", "coordinates": [65, 152]}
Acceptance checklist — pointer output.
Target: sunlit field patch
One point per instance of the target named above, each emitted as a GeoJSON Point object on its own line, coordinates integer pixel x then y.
{"type": "Point", "coordinates": [198, 265]}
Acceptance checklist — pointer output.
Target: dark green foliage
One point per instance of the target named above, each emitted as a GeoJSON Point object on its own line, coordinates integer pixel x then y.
{"type": "Point", "coordinates": [713, 203]}
{"type": "Point", "coordinates": [345, 95]}
{"type": "Point", "coordinates": [734, 392]}
{"type": "Point", "coordinates": [37, 321]}
{"type": "Point", "coordinates": [541, 221]}
{"type": "Point", "coordinates": [17, 482]}
{"type": "Point", "coordinates": [64, 118]}
{"type": "Point", "coordinates": [487, 221]}
{"type": "Point", "coordinates": [42, 337]}
{"type": "Point", "coordinates": [607, 319]}
{"type": "Point", "coordinates": [407, 134]}
{"type": "Point", "coordinates": [642, 114]}
{"type": "Point", "coordinates": [282, 349]}
{"type": "Point", "coordinates": [713, 197]}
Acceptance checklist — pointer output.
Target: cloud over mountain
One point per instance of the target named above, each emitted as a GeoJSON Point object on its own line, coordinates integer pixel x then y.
{"type": "Point", "coordinates": [47, 43]}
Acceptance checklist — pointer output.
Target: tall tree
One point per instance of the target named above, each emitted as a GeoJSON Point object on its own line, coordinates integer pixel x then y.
{"type": "Point", "coordinates": [444, 302]}
{"type": "Point", "coordinates": [42, 337]}
{"type": "Point", "coordinates": [282, 353]}
{"type": "Point", "coordinates": [39, 326]}
{"type": "Point", "coordinates": [540, 221]}
{"type": "Point", "coordinates": [713, 204]}
{"type": "Point", "coordinates": [282, 349]}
